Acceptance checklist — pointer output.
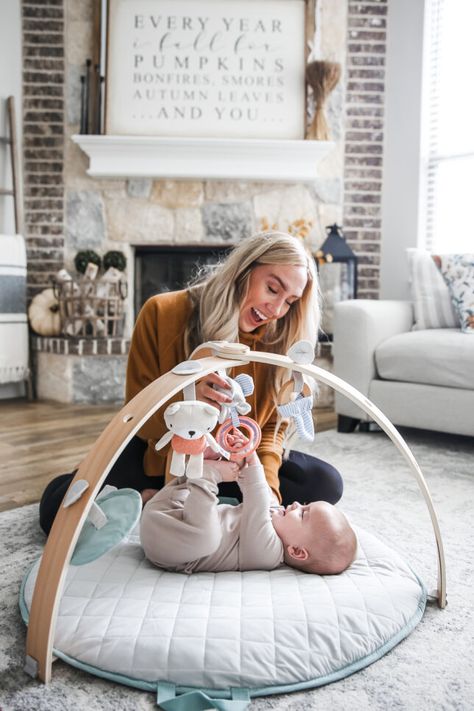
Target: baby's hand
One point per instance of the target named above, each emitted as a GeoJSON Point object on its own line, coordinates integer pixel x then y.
{"type": "Point", "coordinates": [237, 437]}
{"type": "Point", "coordinates": [210, 453]}
{"type": "Point", "coordinates": [226, 471]}
{"type": "Point", "coordinates": [253, 460]}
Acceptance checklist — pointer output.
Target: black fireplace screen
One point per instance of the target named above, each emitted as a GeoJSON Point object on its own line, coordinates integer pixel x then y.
{"type": "Point", "coordinates": [161, 269]}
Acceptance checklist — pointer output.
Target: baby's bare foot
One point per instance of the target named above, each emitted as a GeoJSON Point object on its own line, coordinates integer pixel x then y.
{"type": "Point", "coordinates": [228, 471]}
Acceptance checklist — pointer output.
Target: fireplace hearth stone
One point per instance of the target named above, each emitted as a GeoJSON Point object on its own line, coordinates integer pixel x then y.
{"type": "Point", "coordinates": [87, 371]}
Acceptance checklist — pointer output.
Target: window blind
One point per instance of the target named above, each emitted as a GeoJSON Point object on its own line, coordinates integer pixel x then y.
{"type": "Point", "coordinates": [448, 126]}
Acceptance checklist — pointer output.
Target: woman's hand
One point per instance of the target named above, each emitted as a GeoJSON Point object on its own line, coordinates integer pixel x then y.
{"type": "Point", "coordinates": [207, 393]}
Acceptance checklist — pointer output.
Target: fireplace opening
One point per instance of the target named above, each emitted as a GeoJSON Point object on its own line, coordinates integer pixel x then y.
{"type": "Point", "coordinates": [159, 269]}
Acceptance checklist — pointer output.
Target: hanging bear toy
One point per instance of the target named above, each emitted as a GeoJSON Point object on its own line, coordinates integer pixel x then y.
{"type": "Point", "coordinates": [189, 430]}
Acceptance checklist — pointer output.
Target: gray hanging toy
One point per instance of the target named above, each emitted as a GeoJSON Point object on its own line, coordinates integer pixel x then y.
{"type": "Point", "coordinates": [240, 388]}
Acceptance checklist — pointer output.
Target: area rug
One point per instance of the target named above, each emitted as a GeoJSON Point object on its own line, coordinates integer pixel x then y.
{"type": "Point", "coordinates": [431, 669]}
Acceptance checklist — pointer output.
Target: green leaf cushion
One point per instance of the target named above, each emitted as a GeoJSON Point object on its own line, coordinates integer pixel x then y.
{"type": "Point", "coordinates": [122, 508]}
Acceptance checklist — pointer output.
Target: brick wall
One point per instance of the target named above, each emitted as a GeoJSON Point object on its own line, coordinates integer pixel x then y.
{"type": "Point", "coordinates": [366, 45]}
{"type": "Point", "coordinates": [43, 138]}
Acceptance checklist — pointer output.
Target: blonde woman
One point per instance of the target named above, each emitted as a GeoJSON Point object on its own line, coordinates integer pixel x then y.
{"type": "Point", "coordinates": [265, 295]}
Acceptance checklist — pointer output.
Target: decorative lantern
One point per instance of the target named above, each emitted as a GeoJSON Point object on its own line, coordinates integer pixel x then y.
{"type": "Point", "coordinates": [337, 267]}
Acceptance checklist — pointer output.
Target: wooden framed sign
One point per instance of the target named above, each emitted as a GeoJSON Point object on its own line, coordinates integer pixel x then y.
{"type": "Point", "coordinates": [206, 68]}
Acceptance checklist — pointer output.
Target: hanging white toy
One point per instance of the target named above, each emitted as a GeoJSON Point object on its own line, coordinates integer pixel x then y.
{"type": "Point", "coordinates": [295, 399]}
{"type": "Point", "coordinates": [189, 430]}
{"type": "Point", "coordinates": [297, 404]}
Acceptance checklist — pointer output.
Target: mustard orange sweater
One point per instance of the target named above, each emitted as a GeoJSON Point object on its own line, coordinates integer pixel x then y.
{"type": "Point", "coordinates": [158, 345]}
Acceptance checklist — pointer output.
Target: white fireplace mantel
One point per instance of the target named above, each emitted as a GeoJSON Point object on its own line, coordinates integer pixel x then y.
{"type": "Point", "coordinates": [202, 158]}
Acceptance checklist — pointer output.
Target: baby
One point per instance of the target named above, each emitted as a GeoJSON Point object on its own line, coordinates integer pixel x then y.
{"type": "Point", "coordinates": [184, 529]}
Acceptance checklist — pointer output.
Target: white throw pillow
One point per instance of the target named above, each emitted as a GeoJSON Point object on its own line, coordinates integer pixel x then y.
{"type": "Point", "coordinates": [430, 294]}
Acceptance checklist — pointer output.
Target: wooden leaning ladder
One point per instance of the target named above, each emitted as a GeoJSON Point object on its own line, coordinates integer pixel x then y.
{"type": "Point", "coordinates": [16, 191]}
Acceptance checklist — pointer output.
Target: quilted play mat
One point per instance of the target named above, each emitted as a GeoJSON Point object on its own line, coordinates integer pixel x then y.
{"type": "Point", "coordinates": [209, 640]}
{"type": "Point", "coordinates": [259, 632]}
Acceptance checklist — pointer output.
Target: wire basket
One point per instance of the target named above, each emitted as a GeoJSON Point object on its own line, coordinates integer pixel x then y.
{"type": "Point", "coordinates": [91, 309]}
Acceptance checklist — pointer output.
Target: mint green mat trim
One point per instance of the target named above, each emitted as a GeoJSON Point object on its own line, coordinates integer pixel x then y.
{"type": "Point", "coordinates": [255, 691]}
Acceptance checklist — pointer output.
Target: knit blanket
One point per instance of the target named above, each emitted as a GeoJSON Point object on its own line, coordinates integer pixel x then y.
{"type": "Point", "coordinates": [13, 319]}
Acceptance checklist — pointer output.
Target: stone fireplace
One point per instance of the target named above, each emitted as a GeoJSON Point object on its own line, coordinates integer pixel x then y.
{"type": "Point", "coordinates": [161, 269]}
{"type": "Point", "coordinates": [67, 209]}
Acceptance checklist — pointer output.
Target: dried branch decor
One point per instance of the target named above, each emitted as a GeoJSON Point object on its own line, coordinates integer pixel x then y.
{"type": "Point", "coordinates": [322, 77]}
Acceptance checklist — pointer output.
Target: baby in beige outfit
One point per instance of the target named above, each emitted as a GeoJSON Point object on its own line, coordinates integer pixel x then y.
{"type": "Point", "coordinates": [185, 529]}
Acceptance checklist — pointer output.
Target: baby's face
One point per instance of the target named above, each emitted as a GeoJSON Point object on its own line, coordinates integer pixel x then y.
{"type": "Point", "coordinates": [318, 534]}
{"type": "Point", "coordinates": [297, 524]}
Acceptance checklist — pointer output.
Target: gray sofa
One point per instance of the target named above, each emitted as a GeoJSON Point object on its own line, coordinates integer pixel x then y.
{"type": "Point", "coordinates": [421, 379]}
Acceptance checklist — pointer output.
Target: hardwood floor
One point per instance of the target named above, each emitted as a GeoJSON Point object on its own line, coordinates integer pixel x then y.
{"type": "Point", "coordinates": [39, 440]}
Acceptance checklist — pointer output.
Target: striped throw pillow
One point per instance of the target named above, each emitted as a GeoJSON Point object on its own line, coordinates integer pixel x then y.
{"type": "Point", "coordinates": [430, 294]}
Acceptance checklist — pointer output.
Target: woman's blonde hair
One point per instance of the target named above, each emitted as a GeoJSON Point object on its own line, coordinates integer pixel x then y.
{"type": "Point", "coordinates": [218, 296]}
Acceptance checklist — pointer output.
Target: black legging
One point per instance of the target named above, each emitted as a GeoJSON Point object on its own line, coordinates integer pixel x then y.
{"type": "Point", "coordinates": [302, 477]}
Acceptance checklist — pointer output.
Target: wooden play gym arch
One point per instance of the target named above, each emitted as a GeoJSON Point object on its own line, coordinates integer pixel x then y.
{"type": "Point", "coordinates": [94, 468]}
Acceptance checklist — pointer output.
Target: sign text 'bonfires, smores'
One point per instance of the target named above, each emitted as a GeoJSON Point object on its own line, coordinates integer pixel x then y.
{"type": "Point", "coordinates": [215, 68]}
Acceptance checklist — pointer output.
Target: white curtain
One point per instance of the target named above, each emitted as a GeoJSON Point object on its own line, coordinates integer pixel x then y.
{"type": "Point", "coordinates": [448, 126]}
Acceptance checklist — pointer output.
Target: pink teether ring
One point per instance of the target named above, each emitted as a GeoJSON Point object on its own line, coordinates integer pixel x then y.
{"type": "Point", "coordinates": [239, 449]}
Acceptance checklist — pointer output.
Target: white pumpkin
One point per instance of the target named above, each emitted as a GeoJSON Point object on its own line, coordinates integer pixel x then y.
{"type": "Point", "coordinates": [44, 314]}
